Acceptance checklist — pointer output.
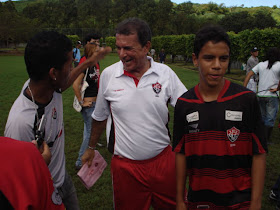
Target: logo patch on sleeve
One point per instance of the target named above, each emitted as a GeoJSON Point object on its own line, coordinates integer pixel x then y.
{"type": "Point", "coordinates": [233, 134]}
{"type": "Point", "coordinates": [233, 115]}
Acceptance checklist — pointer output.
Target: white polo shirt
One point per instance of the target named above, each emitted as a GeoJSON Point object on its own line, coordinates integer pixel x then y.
{"type": "Point", "coordinates": [268, 78]}
{"type": "Point", "coordinates": [137, 113]}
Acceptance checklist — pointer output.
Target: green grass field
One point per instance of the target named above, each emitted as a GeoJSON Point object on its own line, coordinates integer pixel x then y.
{"type": "Point", "coordinates": [12, 77]}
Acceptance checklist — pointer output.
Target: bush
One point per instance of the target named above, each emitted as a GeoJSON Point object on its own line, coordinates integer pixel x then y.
{"type": "Point", "coordinates": [241, 43]}
{"type": "Point", "coordinates": [74, 39]}
{"type": "Point", "coordinates": [111, 42]}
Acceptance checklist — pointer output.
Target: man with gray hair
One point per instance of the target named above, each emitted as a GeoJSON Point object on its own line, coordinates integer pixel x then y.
{"type": "Point", "coordinates": [133, 99]}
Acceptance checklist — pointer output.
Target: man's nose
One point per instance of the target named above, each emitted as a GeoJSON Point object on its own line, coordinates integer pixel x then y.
{"type": "Point", "coordinates": [122, 52]}
{"type": "Point", "coordinates": [217, 63]}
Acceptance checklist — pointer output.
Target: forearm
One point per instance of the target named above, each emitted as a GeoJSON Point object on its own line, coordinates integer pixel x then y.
{"type": "Point", "coordinates": [247, 78]}
{"type": "Point", "coordinates": [78, 94]}
{"type": "Point", "coordinates": [77, 86]}
{"type": "Point", "coordinates": [76, 72]}
{"type": "Point", "coordinates": [278, 87]}
{"type": "Point", "coordinates": [96, 131]}
{"type": "Point", "coordinates": [258, 176]}
{"type": "Point", "coordinates": [90, 61]}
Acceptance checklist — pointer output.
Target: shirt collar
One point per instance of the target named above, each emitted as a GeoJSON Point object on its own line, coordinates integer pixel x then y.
{"type": "Point", "coordinates": [152, 69]}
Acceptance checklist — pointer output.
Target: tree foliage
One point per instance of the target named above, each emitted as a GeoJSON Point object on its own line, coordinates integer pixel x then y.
{"type": "Point", "coordinates": [163, 16]}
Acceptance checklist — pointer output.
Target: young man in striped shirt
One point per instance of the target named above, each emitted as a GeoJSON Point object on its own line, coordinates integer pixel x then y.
{"type": "Point", "coordinates": [218, 134]}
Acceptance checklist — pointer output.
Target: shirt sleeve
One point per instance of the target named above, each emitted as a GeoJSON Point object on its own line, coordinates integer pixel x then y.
{"type": "Point", "coordinates": [256, 69]}
{"type": "Point", "coordinates": [102, 108]}
{"type": "Point", "coordinates": [249, 64]}
{"type": "Point", "coordinates": [19, 129]}
{"type": "Point", "coordinates": [180, 128]}
{"type": "Point", "coordinates": [177, 88]}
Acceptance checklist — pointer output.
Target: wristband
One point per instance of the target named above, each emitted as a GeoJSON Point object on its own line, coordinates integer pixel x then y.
{"type": "Point", "coordinates": [93, 148]}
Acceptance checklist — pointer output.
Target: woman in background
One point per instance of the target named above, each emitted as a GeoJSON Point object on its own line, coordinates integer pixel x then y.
{"type": "Point", "coordinates": [89, 100]}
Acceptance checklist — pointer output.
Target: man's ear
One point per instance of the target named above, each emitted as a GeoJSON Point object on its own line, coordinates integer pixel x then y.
{"type": "Point", "coordinates": [195, 60]}
{"type": "Point", "coordinates": [53, 73]}
{"type": "Point", "coordinates": [147, 46]}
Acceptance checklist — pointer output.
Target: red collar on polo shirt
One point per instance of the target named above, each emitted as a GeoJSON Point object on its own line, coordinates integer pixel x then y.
{"type": "Point", "coordinates": [132, 76]}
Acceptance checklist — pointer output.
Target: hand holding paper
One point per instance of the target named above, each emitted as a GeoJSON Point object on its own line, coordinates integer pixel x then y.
{"type": "Point", "coordinates": [89, 175]}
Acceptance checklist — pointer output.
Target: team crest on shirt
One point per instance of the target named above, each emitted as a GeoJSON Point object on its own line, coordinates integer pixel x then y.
{"type": "Point", "coordinates": [156, 88]}
{"type": "Point", "coordinates": [233, 134]}
{"type": "Point", "coordinates": [56, 198]}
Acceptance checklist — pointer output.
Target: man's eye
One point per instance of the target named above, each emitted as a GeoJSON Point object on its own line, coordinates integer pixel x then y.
{"type": "Point", "coordinates": [224, 58]}
{"type": "Point", "coordinates": [208, 58]}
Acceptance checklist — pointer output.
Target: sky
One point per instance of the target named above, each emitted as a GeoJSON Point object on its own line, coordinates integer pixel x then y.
{"type": "Point", "coordinates": [230, 3]}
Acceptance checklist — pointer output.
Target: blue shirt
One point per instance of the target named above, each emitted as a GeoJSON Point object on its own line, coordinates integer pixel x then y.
{"type": "Point", "coordinates": [77, 54]}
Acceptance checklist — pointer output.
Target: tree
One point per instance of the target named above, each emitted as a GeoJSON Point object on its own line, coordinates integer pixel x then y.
{"type": "Point", "coordinates": [263, 19]}
{"type": "Point", "coordinates": [237, 21]}
{"type": "Point", "coordinates": [184, 19]}
{"type": "Point", "coordinates": [68, 12]}
{"type": "Point", "coordinates": [14, 28]}
{"type": "Point", "coordinates": [163, 16]}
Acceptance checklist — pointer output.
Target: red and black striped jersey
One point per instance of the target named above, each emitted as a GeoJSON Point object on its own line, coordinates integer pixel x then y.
{"type": "Point", "coordinates": [219, 139]}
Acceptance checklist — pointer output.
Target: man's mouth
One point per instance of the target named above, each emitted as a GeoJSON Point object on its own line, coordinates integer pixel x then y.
{"type": "Point", "coordinates": [215, 76]}
{"type": "Point", "coordinates": [127, 61]}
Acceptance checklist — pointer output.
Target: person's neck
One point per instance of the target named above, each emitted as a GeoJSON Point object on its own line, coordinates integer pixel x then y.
{"type": "Point", "coordinates": [139, 73]}
{"type": "Point", "coordinates": [209, 93]}
{"type": "Point", "coordinates": [41, 91]}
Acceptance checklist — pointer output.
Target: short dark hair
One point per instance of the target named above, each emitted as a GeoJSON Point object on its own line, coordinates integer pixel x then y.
{"type": "Point", "coordinates": [212, 33]}
{"type": "Point", "coordinates": [93, 35]}
{"type": "Point", "coordinates": [46, 50]}
{"type": "Point", "coordinates": [135, 25]}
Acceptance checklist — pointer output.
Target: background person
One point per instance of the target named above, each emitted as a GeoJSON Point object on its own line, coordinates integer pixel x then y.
{"type": "Point", "coordinates": [153, 53]}
{"type": "Point", "coordinates": [89, 100]}
{"type": "Point", "coordinates": [133, 95]}
{"type": "Point", "coordinates": [251, 63]}
{"type": "Point", "coordinates": [218, 136]}
{"type": "Point", "coordinates": [77, 53]}
{"type": "Point", "coordinates": [91, 38]}
{"type": "Point", "coordinates": [269, 76]}
{"type": "Point", "coordinates": [48, 58]}
{"type": "Point", "coordinates": [162, 56]}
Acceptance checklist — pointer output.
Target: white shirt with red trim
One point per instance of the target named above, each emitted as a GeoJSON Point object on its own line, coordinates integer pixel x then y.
{"type": "Point", "coordinates": [21, 124]}
{"type": "Point", "coordinates": [137, 109]}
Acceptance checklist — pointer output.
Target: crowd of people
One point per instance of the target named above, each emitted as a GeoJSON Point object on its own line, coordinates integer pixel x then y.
{"type": "Point", "coordinates": [220, 136]}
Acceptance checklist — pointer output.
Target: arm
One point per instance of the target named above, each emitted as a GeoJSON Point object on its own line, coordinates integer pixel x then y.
{"type": "Point", "coordinates": [77, 86]}
{"type": "Point", "coordinates": [181, 176]}
{"type": "Point", "coordinates": [247, 78]}
{"type": "Point", "coordinates": [258, 176]}
{"type": "Point", "coordinates": [97, 129]}
{"type": "Point", "coordinates": [275, 89]}
{"type": "Point", "coordinates": [91, 61]}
